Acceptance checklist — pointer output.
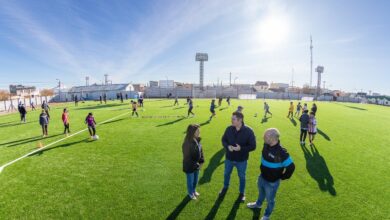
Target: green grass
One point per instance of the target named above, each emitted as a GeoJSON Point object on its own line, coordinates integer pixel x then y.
{"type": "Point", "coordinates": [134, 171]}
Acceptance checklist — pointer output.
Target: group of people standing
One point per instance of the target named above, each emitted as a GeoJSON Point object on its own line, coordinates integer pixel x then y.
{"type": "Point", "coordinates": [238, 141]}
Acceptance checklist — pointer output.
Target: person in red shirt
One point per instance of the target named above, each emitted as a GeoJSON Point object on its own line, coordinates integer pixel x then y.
{"type": "Point", "coordinates": [65, 120]}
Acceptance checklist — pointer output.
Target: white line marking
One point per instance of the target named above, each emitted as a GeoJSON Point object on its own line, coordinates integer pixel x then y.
{"type": "Point", "coordinates": [55, 142]}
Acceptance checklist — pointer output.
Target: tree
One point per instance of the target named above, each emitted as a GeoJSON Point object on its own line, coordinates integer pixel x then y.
{"type": "Point", "coordinates": [4, 95]}
{"type": "Point", "coordinates": [47, 92]}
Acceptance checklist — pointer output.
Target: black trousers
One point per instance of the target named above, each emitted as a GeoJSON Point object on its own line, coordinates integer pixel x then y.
{"type": "Point", "coordinates": [303, 134]}
{"type": "Point", "coordinates": [44, 129]}
{"type": "Point", "coordinates": [92, 130]}
{"type": "Point", "coordinates": [190, 111]}
{"type": "Point", "coordinates": [66, 128]}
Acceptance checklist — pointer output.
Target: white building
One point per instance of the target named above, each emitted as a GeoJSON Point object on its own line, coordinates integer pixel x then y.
{"type": "Point", "coordinates": [94, 92]}
{"type": "Point", "coordinates": [166, 84]}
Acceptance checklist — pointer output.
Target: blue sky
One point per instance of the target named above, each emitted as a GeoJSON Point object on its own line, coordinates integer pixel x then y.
{"type": "Point", "coordinates": [138, 41]}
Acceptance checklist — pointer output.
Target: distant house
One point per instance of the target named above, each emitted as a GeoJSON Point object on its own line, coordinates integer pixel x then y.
{"type": "Point", "coordinates": [279, 87]}
{"type": "Point", "coordinates": [94, 91]}
{"type": "Point", "coordinates": [153, 83]}
{"type": "Point", "coordinates": [166, 84]}
{"type": "Point", "coordinates": [261, 85]}
{"type": "Point", "coordinates": [23, 91]}
{"type": "Point", "coordinates": [139, 87]}
{"type": "Point", "coordinates": [183, 85]}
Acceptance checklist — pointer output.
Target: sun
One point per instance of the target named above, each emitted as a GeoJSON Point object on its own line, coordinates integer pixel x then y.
{"type": "Point", "coordinates": [273, 31]}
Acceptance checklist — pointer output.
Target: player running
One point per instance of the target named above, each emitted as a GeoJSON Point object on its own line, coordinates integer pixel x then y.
{"type": "Point", "coordinates": [190, 107]}
{"type": "Point", "coordinates": [176, 102]}
{"type": "Point", "coordinates": [212, 109]}
{"type": "Point", "coordinates": [266, 110]}
{"type": "Point", "coordinates": [220, 101]}
{"type": "Point", "coordinates": [134, 107]}
{"type": "Point", "coordinates": [298, 111]}
{"type": "Point", "coordinates": [91, 123]}
{"type": "Point", "coordinates": [290, 110]}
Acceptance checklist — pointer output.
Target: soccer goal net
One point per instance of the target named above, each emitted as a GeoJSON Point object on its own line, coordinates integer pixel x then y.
{"type": "Point", "coordinates": [247, 96]}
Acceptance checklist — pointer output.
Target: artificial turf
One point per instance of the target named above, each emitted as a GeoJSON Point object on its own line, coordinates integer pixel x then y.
{"type": "Point", "coordinates": [134, 171]}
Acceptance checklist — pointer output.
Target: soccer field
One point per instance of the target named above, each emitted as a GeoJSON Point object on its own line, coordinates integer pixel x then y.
{"type": "Point", "coordinates": [134, 171]}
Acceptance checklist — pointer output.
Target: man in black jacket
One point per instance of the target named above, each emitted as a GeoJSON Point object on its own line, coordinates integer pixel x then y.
{"type": "Point", "coordinates": [238, 141]}
{"type": "Point", "coordinates": [276, 165]}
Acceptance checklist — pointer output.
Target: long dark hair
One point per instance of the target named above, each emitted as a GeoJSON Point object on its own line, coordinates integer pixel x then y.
{"type": "Point", "coordinates": [190, 134]}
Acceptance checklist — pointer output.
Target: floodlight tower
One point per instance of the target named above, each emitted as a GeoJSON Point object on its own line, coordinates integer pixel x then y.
{"type": "Point", "coordinates": [319, 70]}
{"type": "Point", "coordinates": [311, 61]}
{"type": "Point", "coordinates": [201, 57]}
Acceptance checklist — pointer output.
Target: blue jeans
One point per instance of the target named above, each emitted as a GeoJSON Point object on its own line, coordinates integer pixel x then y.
{"type": "Point", "coordinates": [241, 170]}
{"type": "Point", "coordinates": [267, 190]}
{"type": "Point", "coordinates": [192, 181]}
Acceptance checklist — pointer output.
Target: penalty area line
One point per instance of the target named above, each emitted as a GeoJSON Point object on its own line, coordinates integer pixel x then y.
{"type": "Point", "coordinates": [55, 142]}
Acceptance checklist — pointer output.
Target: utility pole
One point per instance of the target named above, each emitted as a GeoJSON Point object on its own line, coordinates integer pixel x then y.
{"type": "Point", "coordinates": [59, 89]}
{"type": "Point", "coordinates": [230, 81]}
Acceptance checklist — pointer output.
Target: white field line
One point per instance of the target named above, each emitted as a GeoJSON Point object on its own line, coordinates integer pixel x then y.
{"type": "Point", "coordinates": [55, 142]}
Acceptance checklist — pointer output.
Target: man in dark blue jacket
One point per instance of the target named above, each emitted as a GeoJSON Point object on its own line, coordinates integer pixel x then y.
{"type": "Point", "coordinates": [276, 165]}
{"type": "Point", "coordinates": [238, 141]}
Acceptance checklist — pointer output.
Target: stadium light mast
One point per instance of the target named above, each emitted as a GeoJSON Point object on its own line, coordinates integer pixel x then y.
{"type": "Point", "coordinates": [311, 61]}
{"type": "Point", "coordinates": [319, 70]}
{"type": "Point", "coordinates": [201, 57]}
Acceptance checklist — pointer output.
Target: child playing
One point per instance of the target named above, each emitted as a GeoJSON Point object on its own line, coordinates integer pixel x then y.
{"type": "Point", "coordinates": [290, 110]}
{"type": "Point", "coordinates": [304, 119]}
{"type": "Point", "coordinates": [212, 109]}
{"type": "Point", "coordinates": [312, 127]}
{"type": "Point", "coordinates": [134, 106]}
{"type": "Point", "coordinates": [65, 120]}
{"type": "Point", "coordinates": [90, 121]}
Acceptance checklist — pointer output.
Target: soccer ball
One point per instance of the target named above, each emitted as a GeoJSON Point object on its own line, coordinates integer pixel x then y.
{"type": "Point", "coordinates": [96, 137]}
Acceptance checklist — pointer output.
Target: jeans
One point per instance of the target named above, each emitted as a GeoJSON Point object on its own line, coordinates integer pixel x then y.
{"type": "Point", "coordinates": [192, 181]}
{"type": "Point", "coordinates": [267, 190]}
{"type": "Point", "coordinates": [241, 170]}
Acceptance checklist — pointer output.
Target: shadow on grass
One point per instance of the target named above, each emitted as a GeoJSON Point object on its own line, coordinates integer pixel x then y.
{"type": "Point", "coordinates": [221, 109]}
{"type": "Point", "coordinates": [166, 106]}
{"type": "Point", "coordinates": [205, 123]}
{"type": "Point", "coordinates": [113, 121]}
{"type": "Point", "coordinates": [293, 121]}
{"type": "Point", "coordinates": [318, 170]}
{"type": "Point", "coordinates": [176, 212]}
{"type": "Point", "coordinates": [27, 140]}
{"type": "Point", "coordinates": [233, 211]}
{"type": "Point", "coordinates": [10, 124]}
{"type": "Point", "coordinates": [256, 214]}
{"type": "Point", "coordinates": [171, 122]}
{"type": "Point", "coordinates": [264, 120]}
{"type": "Point", "coordinates": [39, 153]}
{"type": "Point", "coordinates": [213, 211]}
{"type": "Point", "coordinates": [178, 108]}
{"type": "Point", "coordinates": [320, 132]}
{"type": "Point", "coordinates": [215, 162]}
{"type": "Point", "coordinates": [99, 106]}
{"type": "Point", "coordinates": [357, 108]}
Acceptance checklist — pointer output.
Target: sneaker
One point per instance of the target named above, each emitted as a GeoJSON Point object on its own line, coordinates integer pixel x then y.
{"type": "Point", "coordinates": [222, 193]}
{"type": "Point", "coordinates": [197, 194]}
{"type": "Point", "coordinates": [241, 197]}
{"type": "Point", "coordinates": [193, 197]}
{"type": "Point", "coordinates": [253, 205]}
{"type": "Point", "coordinates": [265, 218]}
